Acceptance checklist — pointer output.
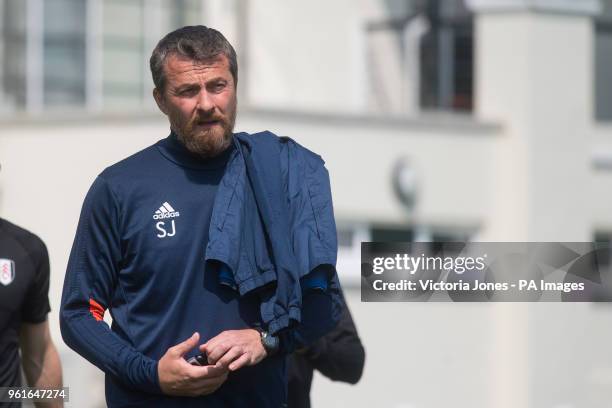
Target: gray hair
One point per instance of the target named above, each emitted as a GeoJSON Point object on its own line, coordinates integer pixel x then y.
{"type": "Point", "coordinates": [198, 43]}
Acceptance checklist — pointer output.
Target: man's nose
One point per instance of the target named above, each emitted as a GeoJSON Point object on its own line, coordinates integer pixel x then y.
{"type": "Point", "coordinates": [205, 101]}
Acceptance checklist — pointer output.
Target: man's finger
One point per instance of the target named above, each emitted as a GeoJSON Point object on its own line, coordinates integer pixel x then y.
{"type": "Point", "coordinates": [240, 362]}
{"type": "Point", "coordinates": [204, 372]}
{"type": "Point", "coordinates": [215, 353]}
{"type": "Point", "coordinates": [182, 348]}
{"type": "Point", "coordinates": [231, 355]}
{"type": "Point", "coordinates": [213, 342]}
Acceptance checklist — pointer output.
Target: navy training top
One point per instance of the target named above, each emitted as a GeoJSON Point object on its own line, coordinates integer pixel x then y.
{"type": "Point", "coordinates": [139, 252]}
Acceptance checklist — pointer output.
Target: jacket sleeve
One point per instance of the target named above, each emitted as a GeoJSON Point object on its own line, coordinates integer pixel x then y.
{"type": "Point", "coordinates": [89, 285]}
{"type": "Point", "coordinates": [314, 242]}
{"type": "Point", "coordinates": [339, 355]}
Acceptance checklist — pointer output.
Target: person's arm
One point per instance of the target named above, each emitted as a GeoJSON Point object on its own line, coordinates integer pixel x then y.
{"type": "Point", "coordinates": [317, 320]}
{"type": "Point", "coordinates": [339, 355]}
{"type": "Point", "coordinates": [41, 363]}
{"type": "Point", "coordinates": [88, 289]}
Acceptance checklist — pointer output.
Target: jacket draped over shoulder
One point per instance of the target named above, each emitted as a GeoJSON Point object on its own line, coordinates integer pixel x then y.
{"type": "Point", "coordinates": [272, 229]}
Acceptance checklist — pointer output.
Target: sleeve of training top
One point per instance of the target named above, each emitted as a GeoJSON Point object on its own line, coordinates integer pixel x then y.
{"type": "Point", "coordinates": [36, 305]}
{"type": "Point", "coordinates": [339, 355]}
{"type": "Point", "coordinates": [89, 285]}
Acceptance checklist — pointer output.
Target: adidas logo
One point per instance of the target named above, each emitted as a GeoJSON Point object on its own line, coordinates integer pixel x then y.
{"type": "Point", "coordinates": [165, 211]}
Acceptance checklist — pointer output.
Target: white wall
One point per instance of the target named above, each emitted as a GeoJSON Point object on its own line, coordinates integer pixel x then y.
{"type": "Point", "coordinates": [306, 55]}
{"type": "Point", "coordinates": [534, 76]}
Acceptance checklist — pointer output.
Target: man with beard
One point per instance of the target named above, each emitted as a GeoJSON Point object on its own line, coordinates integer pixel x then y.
{"type": "Point", "coordinates": [205, 248]}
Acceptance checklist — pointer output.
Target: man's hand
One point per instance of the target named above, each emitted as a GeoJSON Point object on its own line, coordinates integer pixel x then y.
{"type": "Point", "coordinates": [235, 349]}
{"type": "Point", "coordinates": [178, 377]}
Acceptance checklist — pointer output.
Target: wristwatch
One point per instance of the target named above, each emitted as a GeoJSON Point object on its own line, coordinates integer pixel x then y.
{"type": "Point", "coordinates": [269, 342]}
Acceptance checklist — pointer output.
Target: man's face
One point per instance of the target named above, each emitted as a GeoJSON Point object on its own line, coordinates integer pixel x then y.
{"type": "Point", "coordinates": [200, 102]}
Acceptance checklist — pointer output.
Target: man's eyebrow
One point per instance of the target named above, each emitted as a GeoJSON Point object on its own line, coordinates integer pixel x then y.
{"type": "Point", "coordinates": [187, 86]}
{"type": "Point", "coordinates": [217, 79]}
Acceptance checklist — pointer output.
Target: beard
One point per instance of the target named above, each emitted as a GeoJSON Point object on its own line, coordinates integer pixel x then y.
{"type": "Point", "coordinates": [206, 140]}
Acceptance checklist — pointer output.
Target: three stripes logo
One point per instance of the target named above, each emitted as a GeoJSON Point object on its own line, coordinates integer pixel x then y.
{"type": "Point", "coordinates": [165, 211]}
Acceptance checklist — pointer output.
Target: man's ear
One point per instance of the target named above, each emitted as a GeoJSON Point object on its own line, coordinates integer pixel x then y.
{"type": "Point", "coordinates": [159, 99]}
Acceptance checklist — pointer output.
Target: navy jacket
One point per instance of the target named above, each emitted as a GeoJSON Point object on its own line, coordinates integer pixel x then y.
{"type": "Point", "coordinates": [292, 243]}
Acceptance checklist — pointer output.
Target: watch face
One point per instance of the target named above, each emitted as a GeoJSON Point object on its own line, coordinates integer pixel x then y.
{"type": "Point", "coordinates": [270, 343]}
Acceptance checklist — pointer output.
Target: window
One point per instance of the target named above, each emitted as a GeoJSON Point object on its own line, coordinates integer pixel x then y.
{"type": "Point", "coordinates": [123, 53]}
{"type": "Point", "coordinates": [351, 235]}
{"type": "Point", "coordinates": [603, 63]}
{"type": "Point", "coordinates": [83, 53]}
{"type": "Point", "coordinates": [348, 264]}
{"type": "Point", "coordinates": [421, 57]}
{"type": "Point", "coordinates": [63, 47]}
{"type": "Point", "coordinates": [603, 240]}
{"type": "Point", "coordinates": [447, 57]}
{"type": "Point", "coordinates": [13, 48]}
{"type": "Point", "coordinates": [601, 262]}
{"type": "Point", "coordinates": [130, 31]}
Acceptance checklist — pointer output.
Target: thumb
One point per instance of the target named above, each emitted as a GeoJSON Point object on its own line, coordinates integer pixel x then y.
{"type": "Point", "coordinates": [182, 348]}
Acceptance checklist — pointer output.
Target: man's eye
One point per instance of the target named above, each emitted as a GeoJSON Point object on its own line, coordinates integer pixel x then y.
{"type": "Point", "coordinates": [219, 86]}
{"type": "Point", "coordinates": [188, 92]}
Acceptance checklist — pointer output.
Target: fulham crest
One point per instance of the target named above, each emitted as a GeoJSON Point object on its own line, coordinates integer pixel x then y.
{"type": "Point", "coordinates": [7, 271]}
